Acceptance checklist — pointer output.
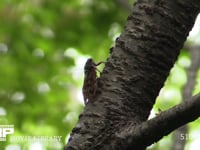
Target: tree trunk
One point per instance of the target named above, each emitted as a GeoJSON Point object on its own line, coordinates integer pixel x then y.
{"type": "Point", "coordinates": [134, 73]}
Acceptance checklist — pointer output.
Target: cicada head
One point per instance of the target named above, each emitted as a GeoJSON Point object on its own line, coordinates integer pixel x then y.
{"type": "Point", "coordinates": [89, 65]}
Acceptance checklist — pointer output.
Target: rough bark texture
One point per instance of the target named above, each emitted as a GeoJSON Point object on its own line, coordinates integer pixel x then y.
{"type": "Point", "coordinates": [133, 75]}
{"type": "Point", "coordinates": [153, 130]}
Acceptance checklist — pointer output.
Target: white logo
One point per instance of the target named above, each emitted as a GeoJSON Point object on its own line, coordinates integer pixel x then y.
{"type": "Point", "coordinates": [5, 130]}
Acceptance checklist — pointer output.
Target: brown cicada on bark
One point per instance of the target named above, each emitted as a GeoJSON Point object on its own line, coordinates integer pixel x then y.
{"type": "Point", "coordinates": [90, 81]}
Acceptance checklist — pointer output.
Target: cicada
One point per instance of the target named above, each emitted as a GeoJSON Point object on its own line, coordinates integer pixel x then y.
{"type": "Point", "coordinates": [90, 80]}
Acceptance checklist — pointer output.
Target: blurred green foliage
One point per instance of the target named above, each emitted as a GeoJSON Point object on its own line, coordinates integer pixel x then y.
{"type": "Point", "coordinates": [41, 42]}
{"type": "Point", "coordinates": [43, 47]}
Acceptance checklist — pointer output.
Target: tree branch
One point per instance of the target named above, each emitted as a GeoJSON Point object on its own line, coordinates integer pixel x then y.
{"type": "Point", "coordinates": [134, 74]}
{"type": "Point", "coordinates": [153, 130]}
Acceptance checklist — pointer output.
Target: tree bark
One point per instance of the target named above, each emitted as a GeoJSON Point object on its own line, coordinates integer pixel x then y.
{"type": "Point", "coordinates": [135, 72]}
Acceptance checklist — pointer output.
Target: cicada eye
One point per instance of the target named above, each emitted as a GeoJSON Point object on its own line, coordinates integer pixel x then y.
{"type": "Point", "coordinates": [86, 71]}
